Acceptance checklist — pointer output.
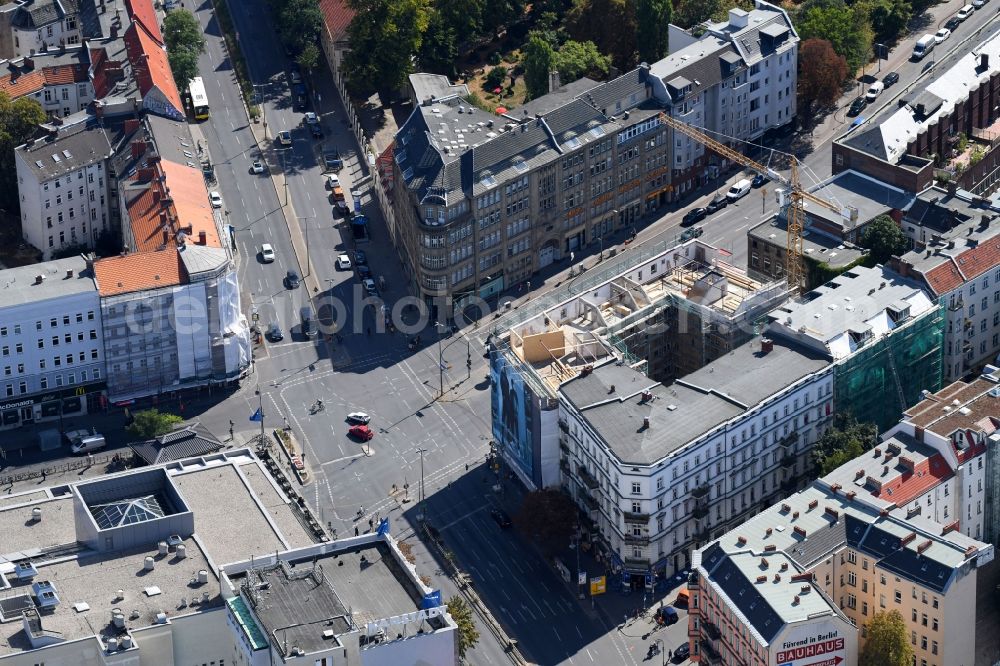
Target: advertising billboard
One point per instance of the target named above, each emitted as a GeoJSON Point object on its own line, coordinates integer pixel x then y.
{"type": "Point", "coordinates": [815, 644]}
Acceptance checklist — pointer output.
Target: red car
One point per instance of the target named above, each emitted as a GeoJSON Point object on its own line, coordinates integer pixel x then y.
{"type": "Point", "coordinates": [362, 432]}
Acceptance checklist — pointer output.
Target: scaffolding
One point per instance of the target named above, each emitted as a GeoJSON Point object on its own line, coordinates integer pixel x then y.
{"type": "Point", "coordinates": [878, 383]}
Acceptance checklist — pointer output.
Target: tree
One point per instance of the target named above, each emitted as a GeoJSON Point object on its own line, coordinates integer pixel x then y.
{"type": "Point", "coordinates": [468, 635]}
{"type": "Point", "coordinates": [19, 120]}
{"type": "Point", "coordinates": [385, 35]}
{"type": "Point", "coordinates": [150, 423]}
{"type": "Point", "coordinates": [463, 17]}
{"type": "Point", "coordinates": [846, 439]}
{"type": "Point", "coordinates": [496, 77]}
{"type": "Point", "coordinates": [500, 13]}
{"type": "Point", "coordinates": [439, 46]}
{"type": "Point", "coordinates": [690, 13]}
{"type": "Point", "coordinates": [576, 59]}
{"type": "Point", "coordinates": [886, 643]}
{"type": "Point", "coordinates": [883, 237]}
{"type": "Point", "coordinates": [539, 59]}
{"type": "Point", "coordinates": [308, 58]}
{"type": "Point", "coordinates": [821, 74]}
{"type": "Point", "coordinates": [547, 517]}
{"type": "Point", "coordinates": [846, 28]}
{"type": "Point", "coordinates": [888, 18]}
{"type": "Point", "coordinates": [299, 23]}
{"type": "Point", "coordinates": [182, 30]}
{"type": "Point", "coordinates": [184, 65]}
{"type": "Point", "coordinates": [652, 18]}
{"type": "Point", "coordinates": [588, 20]}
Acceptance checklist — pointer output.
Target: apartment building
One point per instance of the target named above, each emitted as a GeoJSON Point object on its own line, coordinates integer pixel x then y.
{"type": "Point", "coordinates": [193, 586]}
{"type": "Point", "coordinates": [483, 201]}
{"type": "Point", "coordinates": [57, 80]}
{"type": "Point", "coordinates": [62, 183]}
{"type": "Point", "coordinates": [661, 470]}
{"type": "Point", "coordinates": [33, 26]}
{"type": "Point", "coordinates": [51, 343]}
{"type": "Point", "coordinates": [337, 17]}
{"type": "Point", "coordinates": [961, 270]}
{"type": "Point", "coordinates": [906, 143]}
{"type": "Point", "coordinates": [803, 578]}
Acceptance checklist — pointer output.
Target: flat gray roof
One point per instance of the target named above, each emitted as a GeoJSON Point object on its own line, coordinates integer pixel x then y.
{"type": "Point", "coordinates": [850, 188]}
{"type": "Point", "coordinates": [173, 140]}
{"type": "Point", "coordinates": [816, 245]}
{"type": "Point", "coordinates": [18, 285]}
{"type": "Point", "coordinates": [610, 398]}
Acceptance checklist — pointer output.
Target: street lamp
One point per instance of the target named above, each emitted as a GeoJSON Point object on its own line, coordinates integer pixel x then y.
{"type": "Point", "coordinates": [263, 107]}
{"type": "Point", "coordinates": [420, 498]}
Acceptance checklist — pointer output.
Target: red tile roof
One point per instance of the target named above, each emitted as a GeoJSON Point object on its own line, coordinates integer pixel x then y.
{"type": "Point", "coordinates": [143, 12]}
{"type": "Point", "coordinates": [177, 201]}
{"type": "Point", "coordinates": [107, 72]}
{"type": "Point", "coordinates": [138, 272]}
{"type": "Point", "coordinates": [61, 75]}
{"type": "Point", "coordinates": [24, 84]}
{"type": "Point", "coordinates": [336, 17]}
{"type": "Point", "coordinates": [190, 196]}
{"type": "Point", "coordinates": [150, 66]}
{"type": "Point", "coordinates": [968, 265]}
{"type": "Point", "coordinates": [908, 485]}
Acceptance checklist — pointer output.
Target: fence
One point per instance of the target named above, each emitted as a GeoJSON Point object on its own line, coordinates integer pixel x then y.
{"type": "Point", "coordinates": [69, 466]}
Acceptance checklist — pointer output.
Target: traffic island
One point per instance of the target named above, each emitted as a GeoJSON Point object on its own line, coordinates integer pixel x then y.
{"type": "Point", "coordinates": [293, 455]}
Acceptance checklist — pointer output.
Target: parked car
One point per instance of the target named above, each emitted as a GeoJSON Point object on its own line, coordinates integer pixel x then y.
{"type": "Point", "coordinates": [332, 161]}
{"type": "Point", "coordinates": [952, 23]}
{"type": "Point", "coordinates": [941, 35]}
{"type": "Point", "coordinates": [890, 78]}
{"type": "Point", "coordinates": [296, 77]}
{"type": "Point", "coordinates": [332, 181]}
{"type": "Point", "coordinates": [369, 285]}
{"type": "Point", "coordinates": [718, 202]}
{"type": "Point", "coordinates": [360, 257]}
{"type": "Point", "coordinates": [316, 131]}
{"type": "Point", "coordinates": [759, 181]}
{"type": "Point", "coordinates": [693, 232]}
{"type": "Point", "coordinates": [693, 215]}
{"type": "Point", "coordinates": [979, 4]}
{"type": "Point", "coordinates": [266, 253]}
{"type": "Point", "coordinates": [215, 198]}
{"type": "Point", "coordinates": [739, 190]}
{"type": "Point", "coordinates": [274, 333]}
{"type": "Point", "coordinates": [667, 615]}
{"type": "Point", "coordinates": [292, 279]}
{"type": "Point", "coordinates": [857, 106]}
{"type": "Point", "coordinates": [965, 12]}
{"type": "Point", "coordinates": [284, 138]}
{"type": "Point", "coordinates": [364, 272]}
{"type": "Point", "coordinates": [311, 118]}
{"type": "Point", "coordinates": [88, 443]}
{"type": "Point", "coordinates": [682, 652]}
{"type": "Point", "coordinates": [362, 432]}
{"type": "Point", "coordinates": [343, 263]}
{"type": "Point", "coordinates": [358, 418]}
{"type": "Point", "coordinates": [501, 518]}
{"type": "Point", "coordinates": [874, 91]}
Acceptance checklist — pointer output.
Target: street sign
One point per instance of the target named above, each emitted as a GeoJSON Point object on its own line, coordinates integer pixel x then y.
{"type": "Point", "coordinates": [597, 586]}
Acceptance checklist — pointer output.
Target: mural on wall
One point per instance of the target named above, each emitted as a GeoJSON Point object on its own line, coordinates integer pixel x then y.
{"type": "Point", "coordinates": [511, 415]}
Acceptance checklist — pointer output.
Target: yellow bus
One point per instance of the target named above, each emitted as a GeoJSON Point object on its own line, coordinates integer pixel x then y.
{"type": "Point", "coordinates": [199, 100]}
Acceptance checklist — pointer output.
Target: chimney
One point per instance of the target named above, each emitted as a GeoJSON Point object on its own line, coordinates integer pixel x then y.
{"type": "Point", "coordinates": [156, 199]}
{"type": "Point", "coordinates": [833, 513]}
{"type": "Point", "coordinates": [766, 345]}
{"type": "Point", "coordinates": [813, 504]}
{"type": "Point", "coordinates": [800, 531]}
{"type": "Point", "coordinates": [984, 61]}
{"type": "Point", "coordinates": [166, 237]}
{"type": "Point", "coordinates": [952, 188]}
{"type": "Point", "coordinates": [131, 125]}
{"type": "Point", "coordinates": [908, 538]}
{"type": "Point", "coordinates": [738, 18]}
{"type": "Point", "coordinates": [554, 83]}
{"type": "Point", "coordinates": [27, 63]}
{"type": "Point", "coordinates": [202, 238]}
{"type": "Point", "coordinates": [924, 546]}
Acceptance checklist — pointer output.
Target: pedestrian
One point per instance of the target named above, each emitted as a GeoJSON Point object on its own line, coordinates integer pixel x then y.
{"type": "Point", "coordinates": [670, 654]}
{"type": "Point", "coordinates": [357, 532]}
{"type": "Point", "coordinates": [466, 467]}
{"type": "Point", "coordinates": [371, 524]}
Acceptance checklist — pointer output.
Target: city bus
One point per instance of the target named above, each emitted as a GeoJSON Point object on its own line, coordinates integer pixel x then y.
{"type": "Point", "coordinates": [199, 100]}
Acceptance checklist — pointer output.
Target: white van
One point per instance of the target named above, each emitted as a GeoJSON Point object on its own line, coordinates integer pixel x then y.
{"type": "Point", "coordinates": [88, 444]}
{"type": "Point", "coordinates": [923, 46]}
{"type": "Point", "coordinates": [739, 190]}
{"type": "Point", "coordinates": [875, 90]}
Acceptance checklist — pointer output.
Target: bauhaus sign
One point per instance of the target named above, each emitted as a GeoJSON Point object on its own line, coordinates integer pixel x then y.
{"type": "Point", "coordinates": [813, 649]}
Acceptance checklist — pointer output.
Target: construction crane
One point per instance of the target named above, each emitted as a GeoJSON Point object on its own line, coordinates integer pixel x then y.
{"type": "Point", "coordinates": [795, 271]}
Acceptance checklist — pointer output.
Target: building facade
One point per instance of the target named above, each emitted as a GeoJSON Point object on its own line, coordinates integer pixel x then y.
{"type": "Point", "coordinates": [39, 25]}
{"type": "Point", "coordinates": [59, 81]}
{"type": "Point", "coordinates": [51, 343]}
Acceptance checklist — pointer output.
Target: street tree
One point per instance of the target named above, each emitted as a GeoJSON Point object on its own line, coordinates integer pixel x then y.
{"type": "Point", "coordinates": [575, 59]}
{"type": "Point", "coordinates": [846, 439]}
{"type": "Point", "coordinates": [150, 423]}
{"type": "Point", "coordinates": [308, 58]}
{"type": "Point", "coordinates": [883, 238]}
{"type": "Point", "coordinates": [19, 120]}
{"type": "Point", "coordinates": [182, 30]}
{"type": "Point", "coordinates": [468, 635]}
{"type": "Point", "coordinates": [547, 517]}
{"type": "Point", "coordinates": [385, 35]}
{"type": "Point", "coordinates": [652, 18]}
{"type": "Point", "coordinates": [821, 74]}
{"type": "Point", "coordinates": [889, 18]}
{"type": "Point", "coordinates": [886, 643]}
{"type": "Point", "coordinates": [439, 46]}
{"type": "Point", "coordinates": [299, 23]}
{"type": "Point", "coordinates": [539, 59]}
{"type": "Point", "coordinates": [184, 65]}
{"type": "Point", "coordinates": [691, 13]}
{"type": "Point", "coordinates": [464, 17]}
{"type": "Point", "coordinates": [588, 20]}
{"type": "Point", "coordinates": [846, 28]}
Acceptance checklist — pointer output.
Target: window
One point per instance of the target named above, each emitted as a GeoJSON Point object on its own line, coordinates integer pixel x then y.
{"type": "Point", "coordinates": [636, 488]}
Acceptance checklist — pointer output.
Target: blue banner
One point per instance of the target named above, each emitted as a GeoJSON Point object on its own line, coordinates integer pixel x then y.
{"type": "Point", "coordinates": [257, 416]}
{"type": "Point", "coordinates": [431, 600]}
{"type": "Point", "coordinates": [383, 527]}
{"type": "Point", "coordinates": [626, 578]}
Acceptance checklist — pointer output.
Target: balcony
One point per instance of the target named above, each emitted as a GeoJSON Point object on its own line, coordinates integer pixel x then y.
{"type": "Point", "coordinates": [788, 462]}
{"type": "Point", "coordinates": [589, 502]}
{"type": "Point", "coordinates": [564, 426]}
{"type": "Point", "coordinates": [709, 653]}
{"type": "Point", "coordinates": [789, 440]}
{"type": "Point", "coordinates": [700, 512]}
{"type": "Point", "coordinates": [711, 631]}
{"type": "Point", "coordinates": [565, 466]}
{"type": "Point", "coordinates": [586, 478]}
{"type": "Point", "coordinates": [700, 491]}
{"type": "Point", "coordinates": [634, 540]}
{"type": "Point", "coordinates": [632, 517]}
{"type": "Point", "coordinates": [564, 447]}
{"type": "Point", "coordinates": [790, 484]}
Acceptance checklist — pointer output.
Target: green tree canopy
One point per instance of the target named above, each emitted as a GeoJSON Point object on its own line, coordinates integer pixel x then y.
{"type": "Point", "coordinates": [150, 423]}
{"type": "Point", "coordinates": [19, 120]}
{"type": "Point", "coordinates": [464, 17]}
{"type": "Point", "coordinates": [299, 23]}
{"type": "Point", "coordinates": [690, 13]}
{"type": "Point", "coordinates": [886, 643]}
{"type": "Point", "coordinates": [547, 517]}
{"type": "Point", "coordinates": [184, 65]}
{"type": "Point", "coordinates": [846, 439]}
{"type": "Point", "coordinates": [468, 635]}
{"type": "Point", "coordinates": [308, 57]}
{"type": "Point", "coordinates": [539, 59]}
{"type": "Point", "coordinates": [845, 27]}
{"type": "Point", "coordinates": [652, 17]}
{"type": "Point", "coordinates": [182, 30]}
{"type": "Point", "coordinates": [884, 238]}
{"type": "Point", "coordinates": [577, 59]}
{"type": "Point", "coordinates": [496, 77]}
{"type": "Point", "coordinates": [439, 46]}
{"type": "Point", "coordinates": [384, 37]}
{"type": "Point", "coordinates": [592, 20]}
{"type": "Point", "coordinates": [888, 18]}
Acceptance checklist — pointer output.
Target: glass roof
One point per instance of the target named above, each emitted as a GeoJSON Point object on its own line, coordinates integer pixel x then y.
{"type": "Point", "coordinates": [127, 511]}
